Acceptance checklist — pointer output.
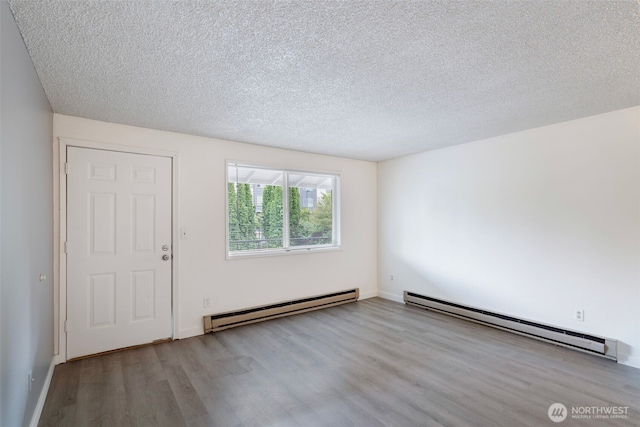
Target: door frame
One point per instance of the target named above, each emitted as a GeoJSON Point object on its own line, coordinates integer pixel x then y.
{"type": "Point", "coordinates": [60, 232]}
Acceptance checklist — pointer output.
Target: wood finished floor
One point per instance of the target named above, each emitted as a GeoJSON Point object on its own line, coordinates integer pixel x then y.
{"type": "Point", "coordinates": [370, 363]}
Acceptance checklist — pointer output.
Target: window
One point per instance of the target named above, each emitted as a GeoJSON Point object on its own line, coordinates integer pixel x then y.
{"type": "Point", "coordinates": [257, 221]}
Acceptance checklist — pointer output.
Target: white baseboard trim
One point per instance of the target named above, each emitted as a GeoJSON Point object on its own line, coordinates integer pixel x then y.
{"type": "Point", "coordinates": [390, 296]}
{"type": "Point", "coordinates": [191, 332]}
{"type": "Point", "coordinates": [370, 294]}
{"type": "Point", "coordinates": [35, 419]}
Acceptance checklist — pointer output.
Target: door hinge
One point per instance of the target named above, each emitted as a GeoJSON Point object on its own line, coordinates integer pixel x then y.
{"type": "Point", "coordinates": [66, 328]}
{"type": "Point", "coordinates": [66, 247]}
{"type": "Point", "coordinates": [66, 168]}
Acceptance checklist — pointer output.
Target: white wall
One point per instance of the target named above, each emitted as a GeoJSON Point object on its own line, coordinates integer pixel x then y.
{"type": "Point", "coordinates": [204, 269]}
{"type": "Point", "coordinates": [532, 224]}
{"type": "Point", "coordinates": [26, 194]}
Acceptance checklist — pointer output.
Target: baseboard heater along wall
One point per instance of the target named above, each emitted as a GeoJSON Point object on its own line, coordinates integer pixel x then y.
{"type": "Point", "coordinates": [230, 319]}
{"type": "Point", "coordinates": [605, 347]}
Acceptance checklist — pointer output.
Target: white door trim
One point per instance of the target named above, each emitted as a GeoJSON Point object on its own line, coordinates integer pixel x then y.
{"type": "Point", "coordinates": [60, 230]}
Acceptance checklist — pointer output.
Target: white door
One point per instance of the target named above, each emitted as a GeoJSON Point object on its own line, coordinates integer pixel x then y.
{"type": "Point", "coordinates": [118, 250]}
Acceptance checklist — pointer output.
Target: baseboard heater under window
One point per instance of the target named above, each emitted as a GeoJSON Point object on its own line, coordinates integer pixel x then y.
{"type": "Point", "coordinates": [230, 319]}
{"type": "Point", "coordinates": [605, 347]}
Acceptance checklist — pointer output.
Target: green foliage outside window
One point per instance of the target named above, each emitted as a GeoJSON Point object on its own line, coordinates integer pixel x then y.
{"type": "Point", "coordinates": [249, 230]}
{"type": "Point", "coordinates": [242, 217]}
{"type": "Point", "coordinates": [272, 216]}
{"type": "Point", "coordinates": [312, 226]}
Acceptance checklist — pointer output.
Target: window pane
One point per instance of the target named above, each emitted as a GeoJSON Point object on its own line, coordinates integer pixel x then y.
{"type": "Point", "coordinates": [257, 199]}
{"type": "Point", "coordinates": [255, 208]}
{"type": "Point", "coordinates": [310, 210]}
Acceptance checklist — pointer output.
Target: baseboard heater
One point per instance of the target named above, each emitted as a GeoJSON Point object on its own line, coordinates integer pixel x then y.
{"type": "Point", "coordinates": [230, 319]}
{"type": "Point", "coordinates": [605, 347]}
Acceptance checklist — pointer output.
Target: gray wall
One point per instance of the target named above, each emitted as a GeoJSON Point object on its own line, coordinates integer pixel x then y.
{"type": "Point", "coordinates": [26, 228]}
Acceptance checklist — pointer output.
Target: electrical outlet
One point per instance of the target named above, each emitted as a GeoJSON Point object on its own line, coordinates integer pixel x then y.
{"type": "Point", "coordinates": [578, 314]}
{"type": "Point", "coordinates": [31, 379]}
{"type": "Point", "coordinates": [391, 278]}
{"type": "Point", "coordinates": [206, 302]}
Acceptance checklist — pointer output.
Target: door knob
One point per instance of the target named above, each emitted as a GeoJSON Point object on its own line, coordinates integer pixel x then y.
{"type": "Point", "coordinates": [165, 257]}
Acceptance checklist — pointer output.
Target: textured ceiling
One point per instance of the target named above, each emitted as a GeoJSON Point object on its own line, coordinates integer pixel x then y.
{"type": "Point", "coordinates": [362, 79]}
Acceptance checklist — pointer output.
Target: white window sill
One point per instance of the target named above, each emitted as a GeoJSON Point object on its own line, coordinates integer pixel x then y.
{"type": "Point", "coordinates": [280, 252]}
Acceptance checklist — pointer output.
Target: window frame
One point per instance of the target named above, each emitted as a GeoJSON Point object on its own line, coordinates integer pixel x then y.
{"type": "Point", "coordinates": [287, 249]}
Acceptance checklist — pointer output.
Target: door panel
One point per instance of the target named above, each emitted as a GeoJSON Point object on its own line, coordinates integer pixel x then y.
{"type": "Point", "coordinates": [103, 223]}
{"type": "Point", "coordinates": [143, 295]}
{"type": "Point", "coordinates": [144, 216]}
{"type": "Point", "coordinates": [118, 229]}
{"type": "Point", "coordinates": [102, 300]}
